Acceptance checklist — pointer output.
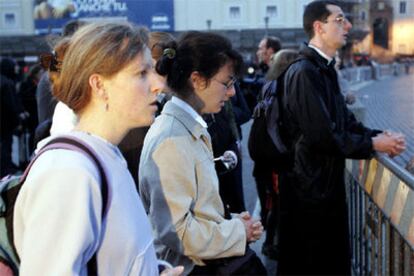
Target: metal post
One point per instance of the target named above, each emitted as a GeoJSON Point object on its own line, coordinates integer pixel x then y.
{"type": "Point", "coordinates": [208, 22]}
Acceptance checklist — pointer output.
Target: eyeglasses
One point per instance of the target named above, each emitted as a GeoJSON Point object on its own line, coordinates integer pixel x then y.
{"type": "Point", "coordinates": [340, 20]}
{"type": "Point", "coordinates": [229, 84]}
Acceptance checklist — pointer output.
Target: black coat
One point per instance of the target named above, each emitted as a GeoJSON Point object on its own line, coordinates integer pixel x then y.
{"type": "Point", "coordinates": [9, 107]}
{"type": "Point", "coordinates": [321, 133]}
{"type": "Point", "coordinates": [46, 102]}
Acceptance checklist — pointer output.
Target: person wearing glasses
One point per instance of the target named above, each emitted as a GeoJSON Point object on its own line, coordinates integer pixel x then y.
{"type": "Point", "coordinates": [320, 133]}
{"type": "Point", "coordinates": [177, 177]}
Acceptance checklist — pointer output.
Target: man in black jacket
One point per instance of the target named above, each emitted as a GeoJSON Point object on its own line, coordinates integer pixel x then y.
{"type": "Point", "coordinates": [320, 133]}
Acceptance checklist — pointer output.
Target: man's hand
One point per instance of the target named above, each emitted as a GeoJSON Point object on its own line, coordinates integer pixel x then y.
{"type": "Point", "coordinates": [389, 142]}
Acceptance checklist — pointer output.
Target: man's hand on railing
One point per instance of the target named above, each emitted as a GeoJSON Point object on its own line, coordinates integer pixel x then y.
{"type": "Point", "coordinates": [389, 142]}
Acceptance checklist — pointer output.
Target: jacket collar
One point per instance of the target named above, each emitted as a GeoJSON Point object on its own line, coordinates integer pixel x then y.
{"type": "Point", "coordinates": [195, 128]}
{"type": "Point", "coordinates": [314, 56]}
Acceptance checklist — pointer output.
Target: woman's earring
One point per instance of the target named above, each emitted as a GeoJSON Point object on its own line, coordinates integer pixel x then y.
{"type": "Point", "coordinates": [106, 106]}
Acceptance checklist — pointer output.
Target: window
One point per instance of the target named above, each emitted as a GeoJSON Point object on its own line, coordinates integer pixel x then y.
{"type": "Point", "coordinates": [10, 20]}
{"type": "Point", "coordinates": [403, 7]}
{"type": "Point", "coordinates": [381, 6]}
{"type": "Point", "coordinates": [271, 11]}
{"type": "Point", "coordinates": [234, 12]}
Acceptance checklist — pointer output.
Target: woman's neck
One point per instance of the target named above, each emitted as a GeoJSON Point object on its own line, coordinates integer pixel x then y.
{"type": "Point", "coordinates": [194, 101]}
{"type": "Point", "coordinates": [98, 124]}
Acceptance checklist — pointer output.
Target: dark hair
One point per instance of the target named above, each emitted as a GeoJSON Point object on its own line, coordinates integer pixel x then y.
{"type": "Point", "coordinates": [316, 11]}
{"type": "Point", "coordinates": [72, 26]}
{"type": "Point", "coordinates": [159, 41]}
{"type": "Point", "coordinates": [274, 43]}
{"type": "Point", "coordinates": [204, 52]}
{"type": "Point", "coordinates": [34, 70]}
{"type": "Point", "coordinates": [7, 68]}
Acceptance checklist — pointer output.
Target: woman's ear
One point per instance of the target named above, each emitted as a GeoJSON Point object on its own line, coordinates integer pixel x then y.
{"type": "Point", "coordinates": [96, 82]}
{"type": "Point", "coordinates": [198, 81]}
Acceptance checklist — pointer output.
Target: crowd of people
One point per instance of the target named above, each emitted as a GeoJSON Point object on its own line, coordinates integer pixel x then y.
{"type": "Point", "coordinates": [160, 112]}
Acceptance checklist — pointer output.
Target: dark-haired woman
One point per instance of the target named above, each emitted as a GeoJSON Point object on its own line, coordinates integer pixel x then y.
{"type": "Point", "coordinates": [177, 178]}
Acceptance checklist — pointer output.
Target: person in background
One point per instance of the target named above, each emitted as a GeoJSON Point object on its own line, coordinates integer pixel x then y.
{"type": "Point", "coordinates": [177, 178]}
{"type": "Point", "coordinates": [268, 46]}
{"type": "Point", "coordinates": [106, 78]}
{"type": "Point", "coordinates": [263, 169]}
{"type": "Point", "coordinates": [27, 96]}
{"type": "Point", "coordinates": [11, 112]}
{"type": "Point", "coordinates": [223, 128]}
{"type": "Point", "coordinates": [279, 63]}
{"type": "Point", "coordinates": [320, 133]}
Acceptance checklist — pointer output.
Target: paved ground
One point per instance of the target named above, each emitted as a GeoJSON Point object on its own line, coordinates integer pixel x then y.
{"type": "Point", "coordinates": [389, 104]}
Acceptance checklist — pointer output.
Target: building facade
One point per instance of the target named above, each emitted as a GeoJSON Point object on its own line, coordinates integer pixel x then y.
{"type": "Point", "coordinates": [238, 14]}
{"type": "Point", "coordinates": [387, 25]}
{"type": "Point", "coordinates": [16, 17]}
{"type": "Point", "coordinates": [402, 42]}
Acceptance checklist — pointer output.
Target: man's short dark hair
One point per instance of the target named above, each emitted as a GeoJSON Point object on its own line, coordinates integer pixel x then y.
{"type": "Point", "coordinates": [316, 11]}
{"type": "Point", "coordinates": [274, 43]}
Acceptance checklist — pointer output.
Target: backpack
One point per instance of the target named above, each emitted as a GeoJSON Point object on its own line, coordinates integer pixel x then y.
{"type": "Point", "coordinates": [9, 189]}
{"type": "Point", "coordinates": [265, 139]}
{"type": "Point", "coordinates": [265, 143]}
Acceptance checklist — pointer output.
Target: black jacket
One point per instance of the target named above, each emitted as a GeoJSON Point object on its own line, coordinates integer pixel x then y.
{"type": "Point", "coordinates": [9, 107]}
{"type": "Point", "coordinates": [319, 129]}
{"type": "Point", "coordinates": [46, 102]}
{"type": "Point", "coordinates": [320, 133]}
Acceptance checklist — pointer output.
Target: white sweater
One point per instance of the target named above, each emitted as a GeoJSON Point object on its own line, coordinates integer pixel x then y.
{"type": "Point", "coordinates": [57, 219]}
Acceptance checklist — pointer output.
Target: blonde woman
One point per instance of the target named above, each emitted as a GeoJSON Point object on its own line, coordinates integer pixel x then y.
{"type": "Point", "coordinates": [105, 77]}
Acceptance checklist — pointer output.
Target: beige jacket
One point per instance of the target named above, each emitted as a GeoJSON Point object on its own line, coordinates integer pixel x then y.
{"type": "Point", "coordinates": [179, 189]}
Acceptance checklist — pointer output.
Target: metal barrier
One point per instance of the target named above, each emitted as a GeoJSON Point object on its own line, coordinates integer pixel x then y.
{"type": "Point", "coordinates": [375, 72]}
{"type": "Point", "coordinates": [381, 211]}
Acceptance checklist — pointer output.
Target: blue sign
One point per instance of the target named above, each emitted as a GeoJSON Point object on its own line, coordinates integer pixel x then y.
{"type": "Point", "coordinates": [51, 15]}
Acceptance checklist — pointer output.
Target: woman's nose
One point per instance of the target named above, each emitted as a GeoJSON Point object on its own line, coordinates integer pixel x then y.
{"type": "Point", "coordinates": [231, 91]}
{"type": "Point", "coordinates": [157, 83]}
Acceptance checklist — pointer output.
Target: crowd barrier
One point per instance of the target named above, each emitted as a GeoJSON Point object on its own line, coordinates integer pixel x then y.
{"type": "Point", "coordinates": [375, 71]}
{"type": "Point", "coordinates": [381, 214]}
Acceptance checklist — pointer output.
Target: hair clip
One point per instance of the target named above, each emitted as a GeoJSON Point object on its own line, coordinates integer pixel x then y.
{"type": "Point", "coordinates": [49, 62]}
{"type": "Point", "coordinates": [169, 53]}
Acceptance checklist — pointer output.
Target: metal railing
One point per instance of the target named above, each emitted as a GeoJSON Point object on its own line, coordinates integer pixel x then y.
{"type": "Point", "coordinates": [381, 214]}
{"type": "Point", "coordinates": [375, 72]}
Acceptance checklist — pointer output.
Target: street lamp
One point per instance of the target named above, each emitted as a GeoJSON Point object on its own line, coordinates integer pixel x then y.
{"type": "Point", "coordinates": [266, 21]}
{"type": "Point", "coordinates": [208, 21]}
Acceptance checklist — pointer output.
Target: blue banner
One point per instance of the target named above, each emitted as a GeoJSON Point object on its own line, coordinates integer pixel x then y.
{"type": "Point", "coordinates": [51, 15]}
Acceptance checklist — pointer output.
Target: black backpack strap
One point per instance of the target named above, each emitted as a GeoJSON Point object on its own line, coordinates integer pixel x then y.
{"type": "Point", "coordinates": [61, 142]}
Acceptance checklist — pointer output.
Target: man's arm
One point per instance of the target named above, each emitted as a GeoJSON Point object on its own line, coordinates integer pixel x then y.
{"type": "Point", "coordinates": [305, 87]}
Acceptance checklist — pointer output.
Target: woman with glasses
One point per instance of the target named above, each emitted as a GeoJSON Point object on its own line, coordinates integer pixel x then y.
{"type": "Point", "coordinates": [177, 178]}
